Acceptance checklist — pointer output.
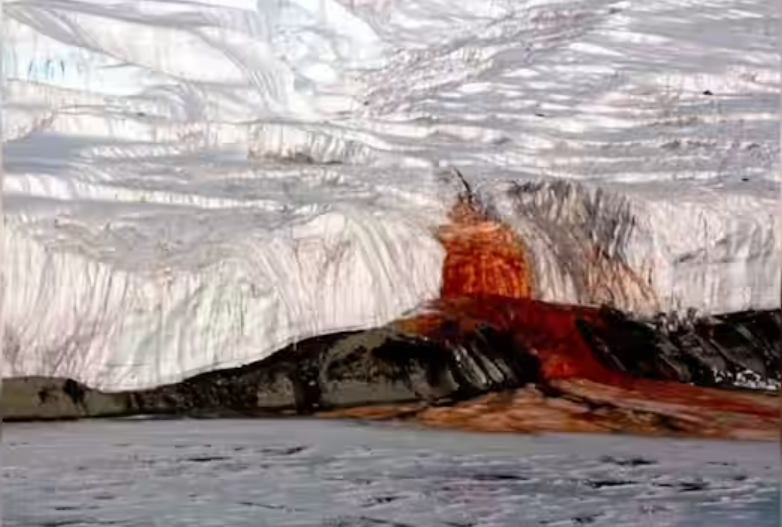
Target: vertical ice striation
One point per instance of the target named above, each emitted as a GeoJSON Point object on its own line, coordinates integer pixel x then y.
{"type": "Point", "coordinates": [197, 184]}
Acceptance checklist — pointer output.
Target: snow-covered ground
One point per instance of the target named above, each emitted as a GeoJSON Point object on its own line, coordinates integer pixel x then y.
{"type": "Point", "coordinates": [199, 183]}
{"type": "Point", "coordinates": [329, 474]}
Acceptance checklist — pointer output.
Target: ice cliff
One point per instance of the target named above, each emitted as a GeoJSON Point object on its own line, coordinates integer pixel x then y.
{"type": "Point", "coordinates": [199, 184]}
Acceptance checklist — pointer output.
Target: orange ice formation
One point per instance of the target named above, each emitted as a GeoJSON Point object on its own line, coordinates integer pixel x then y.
{"type": "Point", "coordinates": [482, 257]}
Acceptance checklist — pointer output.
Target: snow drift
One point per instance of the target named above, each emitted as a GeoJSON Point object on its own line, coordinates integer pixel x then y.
{"type": "Point", "coordinates": [193, 185]}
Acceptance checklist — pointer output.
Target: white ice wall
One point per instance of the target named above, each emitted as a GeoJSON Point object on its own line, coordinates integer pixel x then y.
{"type": "Point", "coordinates": [192, 185]}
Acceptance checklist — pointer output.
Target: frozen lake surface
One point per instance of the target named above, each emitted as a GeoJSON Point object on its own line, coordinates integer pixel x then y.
{"type": "Point", "coordinates": [313, 473]}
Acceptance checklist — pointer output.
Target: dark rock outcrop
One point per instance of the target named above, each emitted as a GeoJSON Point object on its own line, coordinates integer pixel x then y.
{"type": "Point", "coordinates": [371, 367]}
{"type": "Point", "coordinates": [738, 350]}
{"type": "Point", "coordinates": [41, 398]}
{"type": "Point", "coordinates": [457, 363]}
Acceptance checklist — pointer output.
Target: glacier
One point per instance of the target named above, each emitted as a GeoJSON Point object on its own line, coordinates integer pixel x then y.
{"type": "Point", "coordinates": [198, 184]}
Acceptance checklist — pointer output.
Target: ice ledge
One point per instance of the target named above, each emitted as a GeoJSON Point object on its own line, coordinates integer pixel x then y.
{"type": "Point", "coordinates": [137, 304]}
{"type": "Point", "coordinates": [72, 312]}
{"type": "Point", "coordinates": [648, 247]}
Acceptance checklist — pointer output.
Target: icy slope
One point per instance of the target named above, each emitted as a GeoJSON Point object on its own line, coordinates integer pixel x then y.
{"type": "Point", "coordinates": [193, 184]}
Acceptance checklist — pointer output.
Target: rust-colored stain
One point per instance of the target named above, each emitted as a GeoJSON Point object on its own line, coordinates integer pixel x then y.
{"type": "Point", "coordinates": [550, 332]}
{"type": "Point", "coordinates": [609, 280]}
{"type": "Point", "coordinates": [585, 407]}
{"type": "Point", "coordinates": [547, 330]}
{"type": "Point", "coordinates": [482, 257]}
{"type": "Point", "coordinates": [487, 281]}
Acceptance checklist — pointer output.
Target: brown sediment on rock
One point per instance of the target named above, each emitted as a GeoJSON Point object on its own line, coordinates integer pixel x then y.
{"type": "Point", "coordinates": [487, 284]}
{"type": "Point", "coordinates": [376, 412]}
{"type": "Point", "coordinates": [554, 335]}
{"type": "Point", "coordinates": [583, 407]}
{"type": "Point", "coordinates": [547, 331]}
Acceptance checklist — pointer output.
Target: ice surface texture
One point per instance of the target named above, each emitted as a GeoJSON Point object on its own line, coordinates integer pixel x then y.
{"type": "Point", "coordinates": [199, 184]}
{"type": "Point", "coordinates": [328, 474]}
